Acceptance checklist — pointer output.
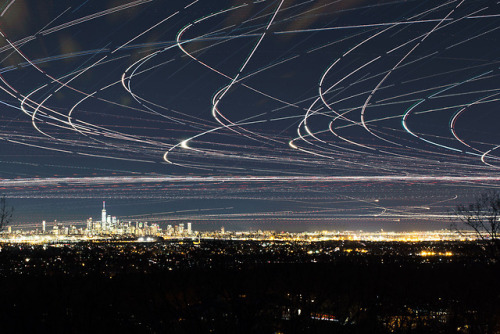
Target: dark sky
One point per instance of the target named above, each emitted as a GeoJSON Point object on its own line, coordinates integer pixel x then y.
{"type": "Point", "coordinates": [285, 115]}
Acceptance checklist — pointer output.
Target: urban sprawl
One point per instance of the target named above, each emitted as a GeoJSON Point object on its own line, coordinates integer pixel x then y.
{"type": "Point", "coordinates": [111, 228]}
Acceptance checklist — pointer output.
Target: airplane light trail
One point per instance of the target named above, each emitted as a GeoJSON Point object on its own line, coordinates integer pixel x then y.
{"type": "Point", "coordinates": [259, 103]}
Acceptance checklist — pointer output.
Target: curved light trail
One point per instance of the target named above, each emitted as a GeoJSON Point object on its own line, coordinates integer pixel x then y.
{"type": "Point", "coordinates": [323, 112]}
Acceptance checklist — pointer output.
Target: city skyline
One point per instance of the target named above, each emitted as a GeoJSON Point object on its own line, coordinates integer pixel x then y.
{"type": "Point", "coordinates": [271, 115]}
{"type": "Point", "coordinates": [112, 228]}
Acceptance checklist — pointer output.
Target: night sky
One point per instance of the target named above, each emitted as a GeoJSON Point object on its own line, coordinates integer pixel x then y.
{"type": "Point", "coordinates": [284, 115]}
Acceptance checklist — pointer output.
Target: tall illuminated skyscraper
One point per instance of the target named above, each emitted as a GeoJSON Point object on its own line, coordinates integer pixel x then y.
{"type": "Point", "coordinates": [103, 215]}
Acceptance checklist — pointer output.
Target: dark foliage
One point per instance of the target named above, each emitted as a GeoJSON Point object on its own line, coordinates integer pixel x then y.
{"type": "Point", "coordinates": [483, 216]}
{"type": "Point", "coordinates": [5, 213]}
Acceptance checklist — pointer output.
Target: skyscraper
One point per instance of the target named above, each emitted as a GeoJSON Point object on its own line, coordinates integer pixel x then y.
{"type": "Point", "coordinates": [90, 226]}
{"type": "Point", "coordinates": [103, 215]}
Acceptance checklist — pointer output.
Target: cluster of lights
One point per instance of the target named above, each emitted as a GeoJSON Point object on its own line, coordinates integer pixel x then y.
{"type": "Point", "coordinates": [425, 253]}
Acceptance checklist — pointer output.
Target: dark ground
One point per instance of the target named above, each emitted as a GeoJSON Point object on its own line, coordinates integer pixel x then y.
{"type": "Point", "coordinates": [351, 293]}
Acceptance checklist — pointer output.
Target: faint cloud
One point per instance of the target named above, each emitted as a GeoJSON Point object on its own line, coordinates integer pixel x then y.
{"type": "Point", "coordinates": [241, 14]}
{"type": "Point", "coordinates": [16, 19]}
{"type": "Point", "coordinates": [68, 44]}
{"type": "Point", "coordinates": [313, 13]}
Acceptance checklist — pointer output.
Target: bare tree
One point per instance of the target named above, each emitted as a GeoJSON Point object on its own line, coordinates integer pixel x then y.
{"type": "Point", "coordinates": [483, 216]}
{"type": "Point", "coordinates": [5, 213]}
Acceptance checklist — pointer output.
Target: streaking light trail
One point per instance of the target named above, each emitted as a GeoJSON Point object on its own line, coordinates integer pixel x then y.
{"type": "Point", "coordinates": [281, 112]}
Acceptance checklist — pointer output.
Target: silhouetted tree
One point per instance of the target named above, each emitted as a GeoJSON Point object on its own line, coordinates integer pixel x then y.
{"type": "Point", "coordinates": [5, 213]}
{"type": "Point", "coordinates": [483, 216]}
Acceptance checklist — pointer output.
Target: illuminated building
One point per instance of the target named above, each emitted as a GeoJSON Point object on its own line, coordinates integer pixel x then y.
{"type": "Point", "coordinates": [154, 229]}
{"type": "Point", "coordinates": [103, 215]}
{"type": "Point", "coordinates": [89, 224]}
